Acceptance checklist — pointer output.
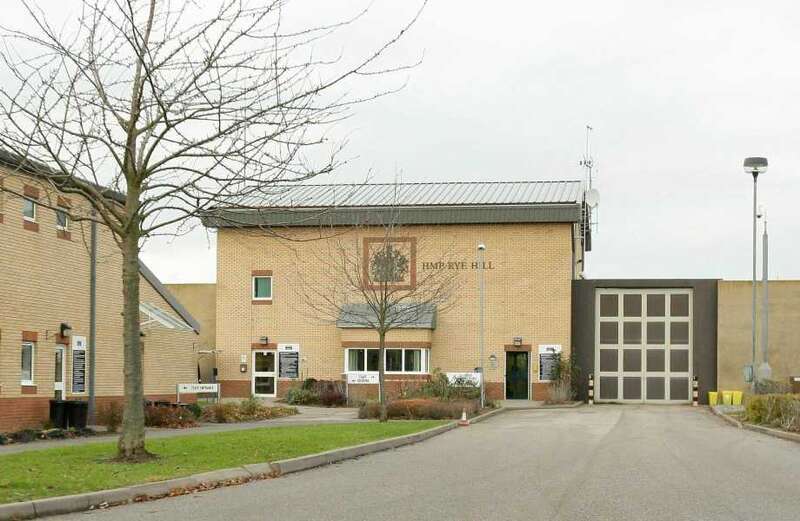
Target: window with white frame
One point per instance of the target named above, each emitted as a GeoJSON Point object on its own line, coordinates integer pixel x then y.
{"type": "Point", "coordinates": [29, 210]}
{"type": "Point", "coordinates": [262, 288]}
{"type": "Point", "coordinates": [397, 360]}
{"type": "Point", "coordinates": [28, 351]}
{"type": "Point", "coordinates": [62, 219]}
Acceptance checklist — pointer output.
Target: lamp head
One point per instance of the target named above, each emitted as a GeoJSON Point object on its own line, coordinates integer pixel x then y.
{"type": "Point", "coordinates": [755, 165]}
{"type": "Point", "coordinates": [481, 247]}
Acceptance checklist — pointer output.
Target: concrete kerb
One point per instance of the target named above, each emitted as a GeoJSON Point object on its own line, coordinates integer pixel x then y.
{"type": "Point", "coordinates": [729, 419]}
{"type": "Point", "coordinates": [99, 499]}
{"type": "Point", "coordinates": [777, 433]}
{"type": "Point", "coordinates": [289, 466]}
{"type": "Point", "coordinates": [487, 415]}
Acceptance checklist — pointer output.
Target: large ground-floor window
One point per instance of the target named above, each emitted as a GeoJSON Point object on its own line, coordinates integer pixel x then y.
{"type": "Point", "coordinates": [397, 360]}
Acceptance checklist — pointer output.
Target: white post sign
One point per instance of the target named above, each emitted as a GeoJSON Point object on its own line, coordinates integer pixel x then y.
{"type": "Point", "coordinates": [362, 378]}
{"type": "Point", "coordinates": [464, 378]}
{"type": "Point", "coordinates": [196, 389]}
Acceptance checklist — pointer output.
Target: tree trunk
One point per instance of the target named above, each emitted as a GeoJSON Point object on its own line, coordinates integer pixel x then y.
{"type": "Point", "coordinates": [381, 375]}
{"type": "Point", "coordinates": [130, 446]}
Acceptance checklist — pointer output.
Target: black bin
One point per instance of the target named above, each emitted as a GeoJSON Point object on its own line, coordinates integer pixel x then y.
{"type": "Point", "coordinates": [77, 414]}
{"type": "Point", "coordinates": [58, 413]}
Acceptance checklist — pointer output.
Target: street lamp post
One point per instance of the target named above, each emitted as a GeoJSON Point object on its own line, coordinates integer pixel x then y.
{"type": "Point", "coordinates": [481, 250]}
{"type": "Point", "coordinates": [754, 166]}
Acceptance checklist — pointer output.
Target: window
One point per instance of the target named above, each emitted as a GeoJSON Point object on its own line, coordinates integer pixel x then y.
{"type": "Point", "coordinates": [28, 350]}
{"type": "Point", "coordinates": [357, 358]}
{"type": "Point", "coordinates": [413, 361]}
{"type": "Point", "coordinates": [398, 360]}
{"type": "Point", "coordinates": [29, 210]}
{"type": "Point", "coordinates": [394, 360]}
{"type": "Point", "coordinates": [62, 219]}
{"type": "Point", "coordinates": [262, 288]}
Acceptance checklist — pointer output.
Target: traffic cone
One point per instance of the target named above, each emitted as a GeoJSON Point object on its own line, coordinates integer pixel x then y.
{"type": "Point", "coordinates": [463, 422]}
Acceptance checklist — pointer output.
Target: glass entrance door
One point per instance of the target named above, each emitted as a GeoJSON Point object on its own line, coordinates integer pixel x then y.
{"type": "Point", "coordinates": [60, 374]}
{"type": "Point", "coordinates": [264, 373]}
{"type": "Point", "coordinates": [517, 371]}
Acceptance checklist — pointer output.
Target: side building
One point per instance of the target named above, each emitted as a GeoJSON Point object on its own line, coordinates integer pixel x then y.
{"type": "Point", "coordinates": [45, 307]}
{"type": "Point", "coordinates": [269, 336]}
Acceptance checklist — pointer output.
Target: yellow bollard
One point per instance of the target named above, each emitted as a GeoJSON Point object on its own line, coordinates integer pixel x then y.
{"type": "Point", "coordinates": [737, 397]}
{"type": "Point", "coordinates": [712, 398]}
{"type": "Point", "coordinates": [727, 397]}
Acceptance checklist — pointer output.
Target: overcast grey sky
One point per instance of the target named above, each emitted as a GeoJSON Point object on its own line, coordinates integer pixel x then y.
{"type": "Point", "coordinates": [678, 93]}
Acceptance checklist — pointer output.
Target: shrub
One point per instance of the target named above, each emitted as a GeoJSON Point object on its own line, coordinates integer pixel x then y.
{"type": "Point", "coordinates": [195, 408]}
{"type": "Point", "coordinates": [369, 410]}
{"type": "Point", "coordinates": [4, 439]}
{"type": "Point", "coordinates": [301, 396]}
{"type": "Point", "coordinates": [168, 417]}
{"type": "Point", "coordinates": [110, 416]}
{"type": "Point", "coordinates": [420, 408]}
{"type": "Point", "coordinates": [565, 382]}
{"type": "Point", "coordinates": [24, 436]}
{"type": "Point", "coordinates": [221, 413]}
{"type": "Point", "coordinates": [440, 386]}
{"type": "Point", "coordinates": [332, 398]}
{"type": "Point", "coordinates": [777, 410]}
{"type": "Point", "coordinates": [309, 384]}
{"type": "Point", "coordinates": [560, 392]}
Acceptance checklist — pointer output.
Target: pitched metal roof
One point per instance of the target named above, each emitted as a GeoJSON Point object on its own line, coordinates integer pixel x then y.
{"type": "Point", "coordinates": [372, 195]}
{"type": "Point", "coordinates": [405, 203]}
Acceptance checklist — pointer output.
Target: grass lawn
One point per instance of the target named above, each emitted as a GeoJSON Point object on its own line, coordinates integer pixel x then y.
{"type": "Point", "coordinates": [87, 468]}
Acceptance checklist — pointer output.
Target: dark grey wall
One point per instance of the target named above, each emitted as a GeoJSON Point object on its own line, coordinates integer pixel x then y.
{"type": "Point", "coordinates": [704, 325]}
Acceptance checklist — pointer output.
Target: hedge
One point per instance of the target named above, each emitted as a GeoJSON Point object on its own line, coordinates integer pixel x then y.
{"type": "Point", "coordinates": [776, 410]}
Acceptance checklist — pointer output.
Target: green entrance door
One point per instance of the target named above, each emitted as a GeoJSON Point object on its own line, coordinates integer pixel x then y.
{"type": "Point", "coordinates": [517, 375]}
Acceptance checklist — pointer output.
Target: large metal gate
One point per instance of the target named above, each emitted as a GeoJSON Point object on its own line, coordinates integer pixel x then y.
{"type": "Point", "coordinates": [643, 345]}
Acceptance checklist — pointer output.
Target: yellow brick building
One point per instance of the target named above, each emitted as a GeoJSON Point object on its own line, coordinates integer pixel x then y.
{"type": "Point", "coordinates": [270, 334]}
{"type": "Point", "coordinates": [45, 307]}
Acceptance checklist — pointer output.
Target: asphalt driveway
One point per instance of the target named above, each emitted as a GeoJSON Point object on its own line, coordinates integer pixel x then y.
{"type": "Point", "coordinates": [601, 462]}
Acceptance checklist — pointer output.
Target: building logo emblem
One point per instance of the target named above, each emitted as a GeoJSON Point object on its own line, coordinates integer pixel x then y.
{"type": "Point", "coordinates": [390, 262]}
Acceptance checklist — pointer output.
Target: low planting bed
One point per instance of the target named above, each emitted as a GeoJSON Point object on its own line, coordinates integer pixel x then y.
{"type": "Point", "coordinates": [29, 435]}
{"type": "Point", "coordinates": [86, 468]}
{"type": "Point", "coordinates": [780, 411]}
{"type": "Point", "coordinates": [421, 408]}
{"type": "Point", "coordinates": [245, 411]}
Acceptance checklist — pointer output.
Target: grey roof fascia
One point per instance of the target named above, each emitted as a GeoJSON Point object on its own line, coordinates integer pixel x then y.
{"type": "Point", "coordinates": [349, 318]}
{"type": "Point", "coordinates": [169, 297]}
{"type": "Point", "coordinates": [37, 169]}
{"type": "Point", "coordinates": [349, 216]}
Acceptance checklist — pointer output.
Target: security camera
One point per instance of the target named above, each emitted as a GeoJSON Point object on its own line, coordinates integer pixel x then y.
{"type": "Point", "coordinates": [481, 246]}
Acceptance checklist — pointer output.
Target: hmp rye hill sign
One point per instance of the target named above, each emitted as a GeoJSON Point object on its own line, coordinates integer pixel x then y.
{"type": "Point", "coordinates": [457, 265]}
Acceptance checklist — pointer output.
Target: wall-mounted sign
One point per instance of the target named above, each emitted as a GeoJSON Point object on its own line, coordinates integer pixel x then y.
{"type": "Point", "coordinates": [549, 359]}
{"type": "Point", "coordinates": [464, 378]}
{"type": "Point", "coordinates": [457, 265]}
{"type": "Point", "coordinates": [78, 364]}
{"type": "Point", "coordinates": [288, 364]}
{"type": "Point", "coordinates": [289, 347]}
{"type": "Point", "coordinates": [362, 378]}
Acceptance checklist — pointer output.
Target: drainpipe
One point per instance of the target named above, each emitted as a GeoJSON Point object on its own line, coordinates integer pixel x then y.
{"type": "Point", "coordinates": [92, 316]}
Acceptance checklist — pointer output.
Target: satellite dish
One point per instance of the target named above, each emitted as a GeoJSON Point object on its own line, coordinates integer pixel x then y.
{"type": "Point", "coordinates": [592, 197]}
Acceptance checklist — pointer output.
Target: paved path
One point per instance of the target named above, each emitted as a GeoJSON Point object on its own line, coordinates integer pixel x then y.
{"type": "Point", "coordinates": [604, 462]}
{"type": "Point", "coordinates": [306, 416]}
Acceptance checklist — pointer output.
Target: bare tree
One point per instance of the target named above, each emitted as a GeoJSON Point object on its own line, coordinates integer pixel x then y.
{"type": "Point", "coordinates": [382, 277]}
{"type": "Point", "coordinates": [180, 107]}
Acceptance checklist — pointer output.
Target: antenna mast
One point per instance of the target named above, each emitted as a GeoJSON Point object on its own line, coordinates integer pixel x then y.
{"type": "Point", "coordinates": [587, 162]}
